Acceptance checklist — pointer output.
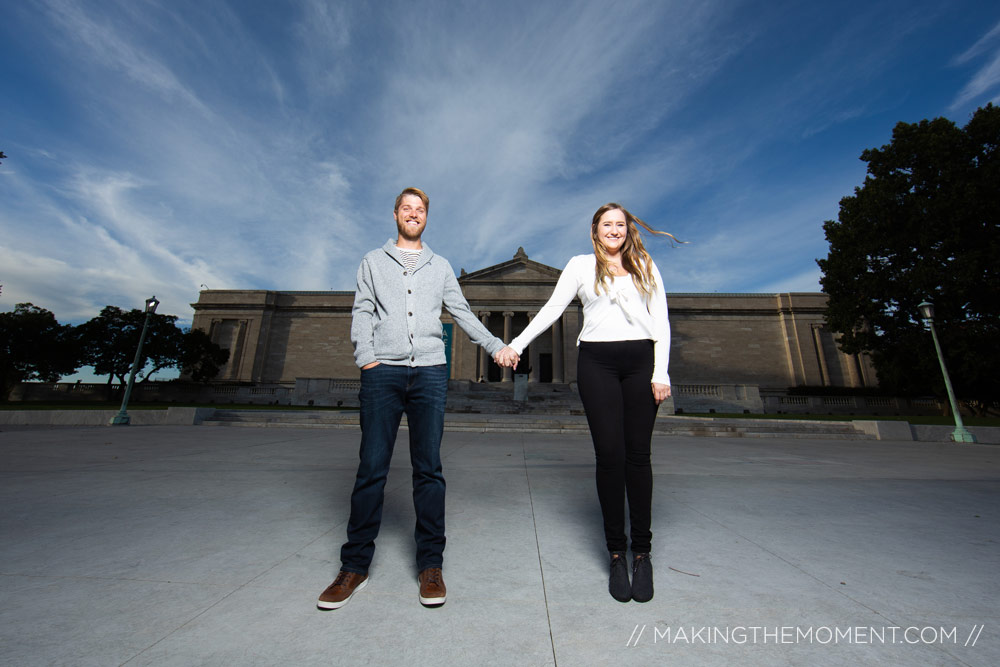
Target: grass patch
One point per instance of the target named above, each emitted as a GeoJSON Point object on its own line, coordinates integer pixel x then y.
{"type": "Point", "coordinates": [934, 420]}
{"type": "Point", "coordinates": [107, 405]}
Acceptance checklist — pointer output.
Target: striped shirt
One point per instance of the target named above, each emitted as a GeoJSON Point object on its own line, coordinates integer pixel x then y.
{"type": "Point", "coordinates": [409, 258]}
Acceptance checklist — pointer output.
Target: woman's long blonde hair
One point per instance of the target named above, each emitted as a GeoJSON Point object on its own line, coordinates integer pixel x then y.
{"type": "Point", "coordinates": [635, 259]}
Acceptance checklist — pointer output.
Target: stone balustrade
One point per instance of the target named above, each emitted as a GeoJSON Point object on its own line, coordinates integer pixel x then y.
{"type": "Point", "coordinates": [343, 392]}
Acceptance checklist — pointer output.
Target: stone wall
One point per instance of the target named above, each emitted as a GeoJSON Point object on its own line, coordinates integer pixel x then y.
{"type": "Point", "coordinates": [770, 340]}
{"type": "Point", "coordinates": [773, 341]}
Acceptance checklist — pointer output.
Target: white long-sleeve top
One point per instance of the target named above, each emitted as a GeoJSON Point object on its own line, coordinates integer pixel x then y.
{"type": "Point", "coordinates": [621, 313]}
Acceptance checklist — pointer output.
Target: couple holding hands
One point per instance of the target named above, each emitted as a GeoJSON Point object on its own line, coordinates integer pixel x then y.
{"type": "Point", "coordinates": [624, 349]}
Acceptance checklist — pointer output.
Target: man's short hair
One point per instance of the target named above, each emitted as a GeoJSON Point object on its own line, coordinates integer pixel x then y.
{"type": "Point", "coordinates": [416, 192]}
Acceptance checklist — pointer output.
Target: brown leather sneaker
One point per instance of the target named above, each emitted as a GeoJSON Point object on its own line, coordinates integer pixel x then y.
{"type": "Point", "coordinates": [432, 589]}
{"type": "Point", "coordinates": [342, 589]}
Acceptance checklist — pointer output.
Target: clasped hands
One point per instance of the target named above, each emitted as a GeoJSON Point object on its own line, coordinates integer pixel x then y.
{"type": "Point", "coordinates": [507, 357]}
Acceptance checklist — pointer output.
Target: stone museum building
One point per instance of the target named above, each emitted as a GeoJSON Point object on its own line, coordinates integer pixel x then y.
{"type": "Point", "coordinates": [742, 342]}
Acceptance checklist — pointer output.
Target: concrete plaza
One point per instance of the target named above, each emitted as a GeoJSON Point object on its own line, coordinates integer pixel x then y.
{"type": "Point", "coordinates": [189, 545]}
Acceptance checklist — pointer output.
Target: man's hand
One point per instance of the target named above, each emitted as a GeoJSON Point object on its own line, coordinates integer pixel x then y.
{"type": "Point", "coordinates": [371, 365]}
{"type": "Point", "coordinates": [661, 392]}
{"type": "Point", "coordinates": [507, 358]}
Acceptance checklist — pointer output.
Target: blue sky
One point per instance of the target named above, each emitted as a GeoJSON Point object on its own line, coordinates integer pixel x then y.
{"type": "Point", "coordinates": [156, 146]}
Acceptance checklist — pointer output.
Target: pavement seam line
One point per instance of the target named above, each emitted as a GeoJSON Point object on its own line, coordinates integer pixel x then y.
{"type": "Point", "coordinates": [781, 558]}
{"type": "Point", "coordinates": [812, 576]}
{"type": "Point", "coordinates": [242, 586]}
{"type": "Point", "coordinates": [186, 623]}
{"type": "Point", "coordinates": [538, 550]}
{"type": "Point", "coordinates": [400, 485]}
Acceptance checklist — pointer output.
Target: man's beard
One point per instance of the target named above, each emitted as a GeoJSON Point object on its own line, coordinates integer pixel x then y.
{"type": "Point", "coordinates": [409, 233]}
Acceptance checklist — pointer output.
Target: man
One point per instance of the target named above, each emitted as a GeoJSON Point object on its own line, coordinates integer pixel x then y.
{"type": "Point", "coordinates": [396, 332]}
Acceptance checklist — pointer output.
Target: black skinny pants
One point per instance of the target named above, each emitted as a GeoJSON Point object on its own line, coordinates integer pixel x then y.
{"type": "Point", "coordinates": [614, 382]}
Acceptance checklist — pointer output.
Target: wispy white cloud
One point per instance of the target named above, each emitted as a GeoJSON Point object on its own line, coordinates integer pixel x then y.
{"type": "Point", "coordinates": [505, 131]}
{"type": "Point", "coordinates": [205, 194]}
{"type": "Point", "coordinates": [982, 45]}
{"type": "Point", "coordinates": [110, 48]}
{"type": "Point", "coordinates": [73, 265]}
{"type": "Point", "coordinates": [987, 77]}
{"type": "Point", "coordinates": [324, 35]}
{"type": "Point", "coordinates": [834, 118]}
{"type": "Point", "coordinates": [807, 281]}
{"type": "Point", "coordinates": [259, 145]}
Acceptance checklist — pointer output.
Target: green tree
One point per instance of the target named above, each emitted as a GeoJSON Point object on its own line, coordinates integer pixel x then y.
{"type": "Point", "coordinates": [200, 358]}
{"type": "Point", "coordinates": [109, 342]}
{"type": "Point", "coordinates": [34, 346]}
{"type": "Point", "coordinates": [110, 339]}
{"type": "Point", "coordinates": [924, 225]}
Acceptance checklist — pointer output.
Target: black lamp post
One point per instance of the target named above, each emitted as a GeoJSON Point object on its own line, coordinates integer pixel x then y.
{"type": "Point", "coordinates": [960, 434]}
{"type": "Point", "coordinates": [122, 418]}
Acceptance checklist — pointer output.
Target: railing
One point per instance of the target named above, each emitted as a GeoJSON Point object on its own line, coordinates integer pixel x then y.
{"type": "Point", "coordinates": [843, 401]}
{"type": "Point", "coordinates": [696, 389]}
{"type": "Point", "coordinates": [345, 385]}
{"type": "Point", "coordinates": [794, 400]}
{"type": "Point", "coordinates": [80, 387]}
{"type": "Point", "coordinates": [721, 398]}
{"type": "Point", "coordinates": [848, 405]}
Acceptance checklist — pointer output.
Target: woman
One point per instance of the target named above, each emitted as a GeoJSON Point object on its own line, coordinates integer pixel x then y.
{"type": "Point", "coordinates": [624, 350]}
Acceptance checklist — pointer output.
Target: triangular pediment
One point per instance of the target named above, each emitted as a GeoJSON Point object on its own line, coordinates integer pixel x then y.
{"type": "Point", "coordinates": [518, 269]}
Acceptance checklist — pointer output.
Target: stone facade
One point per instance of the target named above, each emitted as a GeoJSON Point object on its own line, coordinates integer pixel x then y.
{"type": "Point", "coordinates": [771, 341]}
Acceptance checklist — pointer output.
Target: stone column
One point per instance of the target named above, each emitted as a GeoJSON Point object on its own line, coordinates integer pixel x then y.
{"type": "Point", "coordinates": [558, 372]}
{"type": "Point", "coordinates": [824, 371]}
{"type": "Point", "coordinates": [856, 370]}
{"type": "Point", "coordinates": [869, 378]}
{"type": "Point", "coordinates": [533, 358]}
{"type": "Point", "coordinates": [508, 317]}
{"type": "Point", "coordinates": [236, 350]}
{"type": "Point", "coordinates": [484, 358]}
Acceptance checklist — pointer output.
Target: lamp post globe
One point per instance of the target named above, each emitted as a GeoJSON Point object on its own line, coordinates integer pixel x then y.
{"type": "Point", "coordinates": [926, 309]}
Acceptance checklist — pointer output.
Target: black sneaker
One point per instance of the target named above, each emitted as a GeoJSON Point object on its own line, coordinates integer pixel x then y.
{"type": "Point", "coordinates": [642, 577]}
{"type": "Point", "coordinates": [618, 584]}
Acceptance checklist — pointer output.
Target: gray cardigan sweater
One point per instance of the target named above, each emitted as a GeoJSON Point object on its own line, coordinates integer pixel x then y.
{"type": "Point", "coordinates": [396, 318]}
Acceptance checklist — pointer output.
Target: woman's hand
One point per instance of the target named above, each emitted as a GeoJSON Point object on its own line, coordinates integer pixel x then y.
{"type": "Point", "coordinates": [507, 357]}
{"type": "Point", "coordinates": [661, 392]}
{"type": "Point", "coordinates": [371, 365]}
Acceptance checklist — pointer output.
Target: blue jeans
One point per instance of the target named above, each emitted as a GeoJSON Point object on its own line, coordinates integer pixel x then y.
{"type": "Point", "coordinates": [386, 393]}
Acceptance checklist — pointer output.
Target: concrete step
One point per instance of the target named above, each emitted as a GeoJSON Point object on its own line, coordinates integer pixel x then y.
{"type": "Point", "coordinates": [537, 423]}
